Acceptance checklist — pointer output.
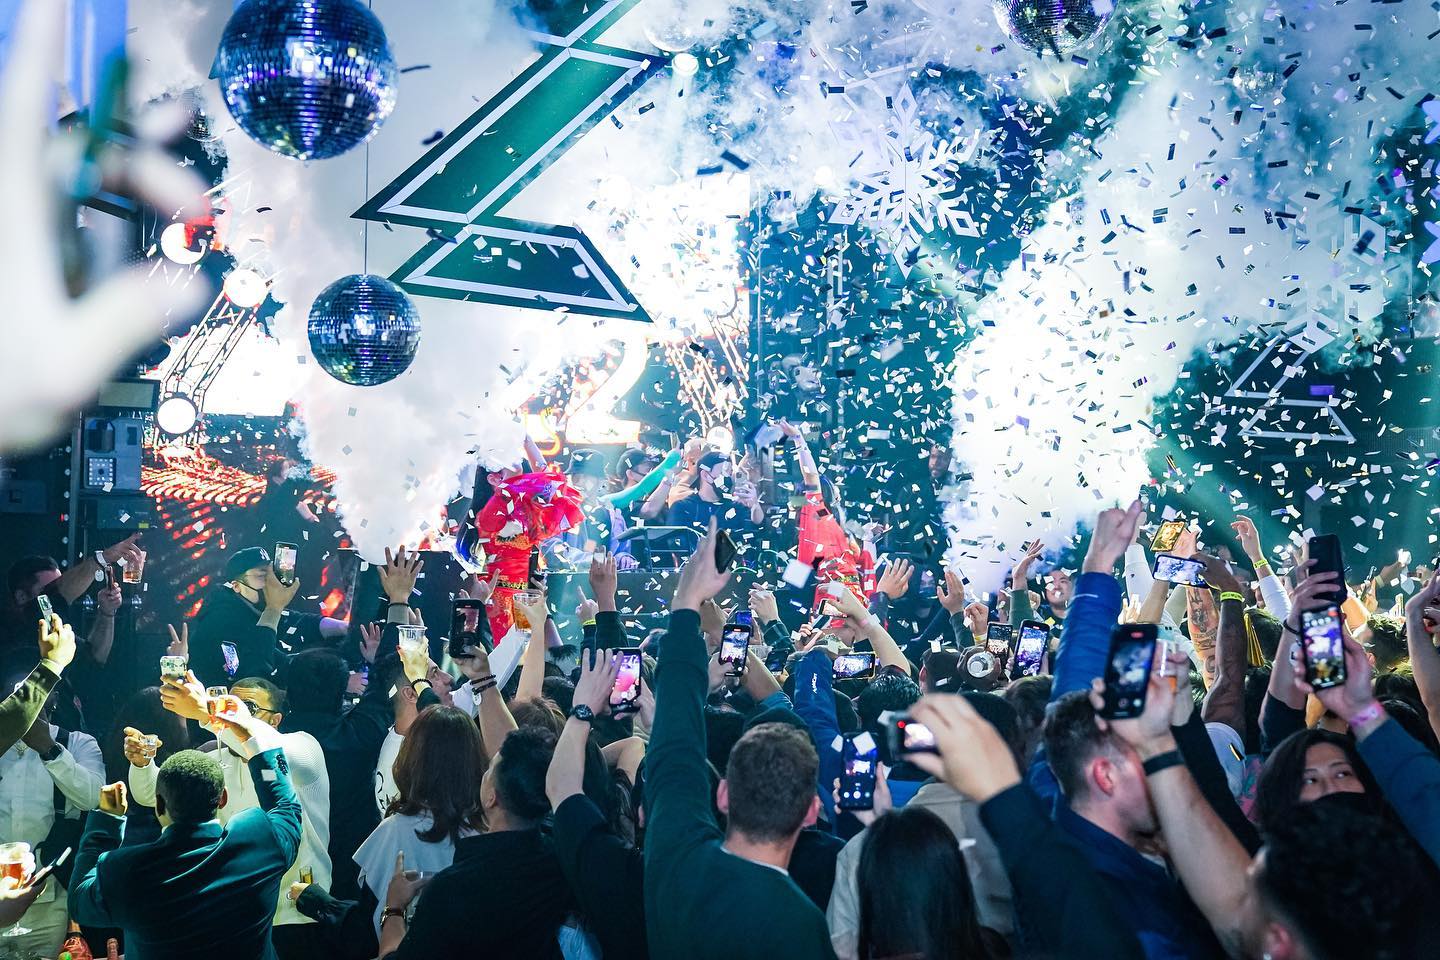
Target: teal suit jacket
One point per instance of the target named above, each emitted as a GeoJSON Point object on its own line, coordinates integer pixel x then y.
{"type": "Point", "coordinates": [199, 890]}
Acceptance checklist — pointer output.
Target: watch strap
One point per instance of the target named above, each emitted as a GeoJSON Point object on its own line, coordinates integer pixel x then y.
{"type": "Point", "coordinates": [1163, 761]}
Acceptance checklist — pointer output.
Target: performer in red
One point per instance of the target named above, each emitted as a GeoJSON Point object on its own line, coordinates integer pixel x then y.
{"type": "Point", "coordinates": [524, 509]}
{"type": "Point", "coordinates": [824, 544]}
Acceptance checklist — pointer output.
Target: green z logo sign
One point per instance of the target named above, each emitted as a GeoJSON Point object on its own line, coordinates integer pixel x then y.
{"type": "Point", "coordinates": [456, 190]}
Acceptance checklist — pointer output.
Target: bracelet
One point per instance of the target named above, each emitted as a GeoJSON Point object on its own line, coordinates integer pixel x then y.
{"type": "Point", "coordinates": [489, 685]}
{"type": "Point", "coordinates": [485, 679]}
{"type": "Point", "coordinates": [1371, 712]}
{"type": "Point", "coordinates": [389, 912]}
{"type": "Point", "coordinates": [398, 603]}
{"type": "Point", "coordinates": [1163, 761]}
{"type": "Point", "coordinates": [1291, 629]}
{"type": "Point", "coordinates": [1262, 562]}
{"type": "Point", "coordinates": [1232, 595]}
{"type": "Point", "coordinates": [419, 680]}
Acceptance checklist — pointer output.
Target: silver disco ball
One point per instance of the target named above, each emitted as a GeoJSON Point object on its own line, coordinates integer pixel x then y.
{"type": "Point", "coordinates": [1051, 26]}
{"type": "Point", "coordinates": [309, 79]}
{"type": "Point", "coordinates": [363, 330]}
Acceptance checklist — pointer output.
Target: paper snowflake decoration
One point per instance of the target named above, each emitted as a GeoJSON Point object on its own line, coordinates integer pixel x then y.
{"type": "Point", "coordinates": [904, 183]}
{"type": "Point", "coordinates": [1432, 252]}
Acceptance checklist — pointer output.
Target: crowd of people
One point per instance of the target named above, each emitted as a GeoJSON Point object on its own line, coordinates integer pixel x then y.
{"type": "Point", "coordinates": [819, 782]}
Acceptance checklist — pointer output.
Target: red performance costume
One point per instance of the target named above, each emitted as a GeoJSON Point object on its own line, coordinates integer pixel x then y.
{"type": "Point", "coordinates": [822, 539]}
{"type": "Point", "coordinates": [524, 510]}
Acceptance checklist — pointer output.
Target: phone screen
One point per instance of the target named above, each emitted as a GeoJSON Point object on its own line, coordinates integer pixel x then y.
{"type": "Point", "coordinates": [627, 681]}
{"type": "Point", "coordinates": [911, 737]}
{"type": "Point", "coordinates": [742, 618]}
{"type": "Point", "coordinates": [285, 554]}
{"type": "Point", "coordinates": [231, 657]}
{"type": "Point", "coordinates": [1324, 649]}
{"type": "Point", "coordinates": [1127, 671]}
{"type": "Point", "coordinates": [465, 619]}
{"type": "Point", "coordinates": [46, 610]}
{"type": "Point", "coordinates": [999, 633]}
{"type": "Point", "coordinates": [734, 645]}
{"type": "Point", "coordinates": [1168, 535]}
{"type": "Point", "coordinates": [1175, 569]}
{"type": "Point", "coordinates": [852, 665]}
{"type": "Point", "coordinates": [857, 782]}
{"type": "Point", "coordinates": [1034, 637]}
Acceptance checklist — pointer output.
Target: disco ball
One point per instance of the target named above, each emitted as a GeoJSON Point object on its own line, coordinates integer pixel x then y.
{"type": "Point", "coordinates": [363, 330]}
{"type": "Point", "coordinates": [1051, 26]}
{"type": "Point", "coordinates": [309, 79]}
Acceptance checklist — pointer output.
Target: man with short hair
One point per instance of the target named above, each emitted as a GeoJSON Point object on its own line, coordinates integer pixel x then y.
{"type": "Point", "coordinates": [768, 796]}
{"type": "Point", "coordinates": [295, 935]}
{"type": "Point", "coordinates": [202, 888]}
{"type": "Point", "coordinates": [519, 917]}
{"type": "Point", "coordinates": [733, 504]}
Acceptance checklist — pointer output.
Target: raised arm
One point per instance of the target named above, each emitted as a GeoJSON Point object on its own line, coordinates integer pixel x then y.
{"type": "Point", "coordinates": [648, 484]}
{"type": "Point", "coordinates": [1225, 700]}
{"type": "Point", "coordinates": [887, 651]}
{"type": "Point", "coordinates": [82, 573]}
{"type": "Point", "coordinates": [533, 454]}
{"type": "Point", "coordinates": [1424, 658]}
{"type": "Point", "coordinates": [19, 710]}
{"type": "Point", "coordinates": [1095, 605]}
{"type": "Point", "coordinates": [566, 774]}
{"type": "Point", "coordinates": [1272, 591]}
{"type": "Point", "coordinates": [104, 832]}
{"type": "Point", "coordinates": [809, 473]}
{"type": "Point", "coordinates": [532, 664]}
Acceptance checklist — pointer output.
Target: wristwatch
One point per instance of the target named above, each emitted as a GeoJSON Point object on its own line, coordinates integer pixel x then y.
{"type": "Point", "coordinates": [53, 753]}
{"type": "Point", "coordinates": [583, 713]}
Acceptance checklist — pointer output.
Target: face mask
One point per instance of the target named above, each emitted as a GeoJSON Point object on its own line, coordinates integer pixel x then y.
{"type": "Point", "coordinates": [721, 485]}
{"type": "Point", "coordinates": [1354, 802]}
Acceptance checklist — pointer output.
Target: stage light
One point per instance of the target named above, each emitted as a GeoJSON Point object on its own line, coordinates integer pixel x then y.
{"type": "Point", "coordinates": [721, 439]}
{"type": "Point", "coordinates": [825, 178]}
{"type": "Point", "coordinates": [246, 288]}
{"type": "Point", "coordinates": [173, 245]}
{"type": "Point", "coordinates": [685, 64]}
{"type": "Point", "coordinates": [176, 415]}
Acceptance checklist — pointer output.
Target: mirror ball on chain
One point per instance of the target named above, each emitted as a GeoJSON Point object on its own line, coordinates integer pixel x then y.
{"type": "Point", "coordinates": [1052, 26]}
{"type": "Point", "coordinates": [309, 79]}
{"type": "Point", "coordinates": [363, 330]}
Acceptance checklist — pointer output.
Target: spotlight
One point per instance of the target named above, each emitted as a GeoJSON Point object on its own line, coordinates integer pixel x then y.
{"type": "Point", "coordinates": [246, 288]}
{"type": "Point", "coordinates": [174, 244]}
{"type": "Point", "coordinates": [176, 415]}
{"type": "Point", "coordinates": [685, 64]}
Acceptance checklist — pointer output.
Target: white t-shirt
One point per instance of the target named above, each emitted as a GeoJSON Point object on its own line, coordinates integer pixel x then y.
{"type": "Point", "coordinates": [385, 789]}
{"type": "Point", "coordinates": [376, 856]}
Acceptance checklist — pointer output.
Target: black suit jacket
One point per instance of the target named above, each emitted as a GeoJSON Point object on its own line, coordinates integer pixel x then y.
{"type": "Point", "coordinates": [199, 890]}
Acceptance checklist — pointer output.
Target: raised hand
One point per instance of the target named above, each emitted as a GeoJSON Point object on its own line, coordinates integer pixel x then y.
{"type": "Point", "coordinates": [140, 748]}
{"type": "Point", "coordinates": [597, 679]}
{"type": "Point", "coordinates": [1020, 576]}
{"type": "Point", "coordinates": [977, 618]}
{"type": "Point", "coordinates": [1149, 734]}
{"type": "Point", "coordinates": [1353, 697]}
{"type": "Point", "coordinates": [1422, 611]}
{"type": "Point", "coordinates": [1307, 591]}
{"type": "Point", "coordinates": [1218, 574]}
{"type": "Point", "coordinates": [277, 595]}
{"type": "Point", "coordinates": [108, 599]}
{"type": "Point", "coordinates": [973, 758]}
{"type": "Point", "coordinates": [1187, 544]}
{"type": "Point", "coordinates": [179, 642]}
{"type": "Point", "coordinates": [370, 634]}
{"type": "Point", "coordinates": [57, 641]}
{"type": "Point", "coordinates": [950, 591]}
{"type": "Point", "coordinates": [113, 799]}
{"type": "Point", "coordinates": [763, 605]}
{"type": "Point", "coordinates": [127, 550]}
{"type": "Point", "coordinates": [481, 589]}
{"type": "Point", "coordinates": [604, 582]}
{"type": "Point", "coordinates": [398, 575]}
{"type": "Point", "coordinates": [1249, 538]}
{"type": "Point", "coordinates": [1114, 531]}
{"type": "Point", "coordinates": [586, 610]}
{"type": "Point", "coordinates": [185, 698]}
{"type": "Point", "coordinates": [699, 580]}
{"type": "Point", "coordinates": [895, 581]}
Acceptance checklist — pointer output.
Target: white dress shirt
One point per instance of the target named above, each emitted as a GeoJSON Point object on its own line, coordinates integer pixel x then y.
{"type": "Point", "coordinates": [28, 784]}
{"type": "Point", "coordinates": [312, 786]}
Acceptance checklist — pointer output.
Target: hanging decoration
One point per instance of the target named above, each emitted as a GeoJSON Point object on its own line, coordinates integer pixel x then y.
{"type": "Point", "coordinates": [364, 330]}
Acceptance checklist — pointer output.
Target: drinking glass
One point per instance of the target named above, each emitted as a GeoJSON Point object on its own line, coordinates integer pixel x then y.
{"type": "Point", "coordinates": [133, 570]}
{"type": "Point", "coordinates": [412, 636]}
{"type": "Point", "coordinates": [16, 861]}
{"type": "Point", "coordinates": [517, 611]}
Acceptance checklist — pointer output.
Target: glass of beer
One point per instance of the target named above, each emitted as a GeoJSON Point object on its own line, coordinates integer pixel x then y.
{"type": "Point", "coordinates": [412, 636]}
{"type": "Point", "coordinates": [517, 611]}
{"type": "Point", "coordinates": [132, 571]}
{"type": "Point", "coordinates": [18, 862]}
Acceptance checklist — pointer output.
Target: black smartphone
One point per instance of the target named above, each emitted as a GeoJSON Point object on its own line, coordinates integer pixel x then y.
{"type": "Point", "coordinates": [1168, 535]}
{"type": "Point", "coordinates": [907, 736]}
{"type": "Point", "coordinates": [1030, 651]}
{"type": "Point", "coordinates": [1127, 669]}
{"type": "Point", "coordinates": [1326, 556]}
{"type": "Point", "coordinates": [857, 781]}
{"type": "Point", "coordinates": [627, 682]}
{"type": "Point", "coordinates": [1324, 647]}
{"type": "Point", "coordinates": [854, 666]}
{"type": "Point", "coordinates": [1181, 570]}
{"type": "Point", "coordinates": [46, 610]}
{"type": "Point", "coordinates": [230, 658]}
{"type": "Point", "coordinates": [469, 627]}
{"type": "Point", "coordinates": [284, 563]}
{"type": "Point", "coordinates": [735, 647]}
{"type": "Point", "coordinates": [44, 872]}
{"type": "Point", "coordinates": [725, 551]}
{"type": "Point", "coordinates": [999, 633]}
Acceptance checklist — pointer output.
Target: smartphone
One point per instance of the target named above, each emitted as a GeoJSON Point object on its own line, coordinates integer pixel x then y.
{"type": "Point", "coordinates": [230, 656]}
{"type": "Point", "coordinates": [1324, 647]}
{"type": "Point", "coordinates": [284, 563]}
{"type": "Point", "coordinates": [44, 872]}
{"type": "Point", "coordinates": [907, 736]}
{"type": "Point", "coordinates": [1326, 556]}
{"type": "Point", "coordinates": [725, 551]}
{"type": "Point", "coordinates": [743, 618]}
{"type": "Point", "coordinates": [854, 666]}
{"type": "Point", "coordinates": [1030, 652]}
{"type": "Point", "coordinates": [1168, 535]}
{"type": "Point", "coordinates": [1181, 570]}
{"type": "Point", "coordinates": [999, 633]}
{"type": "Point", "coordinates": [735, 647]}
{"type": "Point", "coordinates": [1127, 669]}
{"type": "Point", "coordinates": [627, 682]}
{"type": "Point", "coordinates": [46, 610]}
{"type": "Point", "coordinates": [467, 628]}
{"type": "Point", "coordinates": [857, 781]}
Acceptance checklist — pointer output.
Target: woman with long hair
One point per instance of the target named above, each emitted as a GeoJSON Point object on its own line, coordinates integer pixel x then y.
{"type": "Point", "coordinates": [438, 775]}
{"type": "Point", "coordinates": [1308, 765]}
{"type": "Point", "coordinates": [916, 902]}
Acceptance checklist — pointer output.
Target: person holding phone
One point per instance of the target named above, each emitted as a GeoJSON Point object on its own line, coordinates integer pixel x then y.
{"type": "Point", "coordinates": [768, 795]}
{"type": "Point", "coordinates": [717, 496]}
